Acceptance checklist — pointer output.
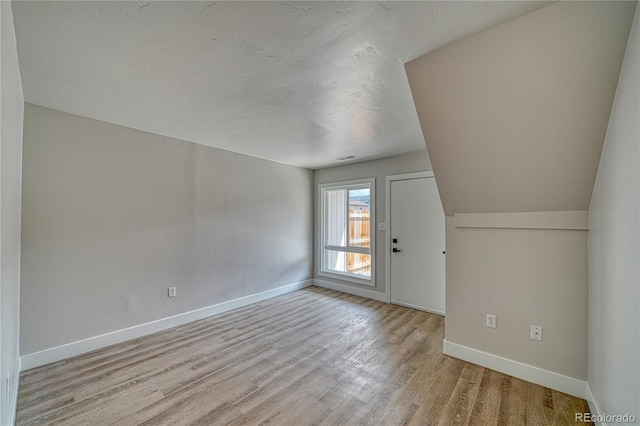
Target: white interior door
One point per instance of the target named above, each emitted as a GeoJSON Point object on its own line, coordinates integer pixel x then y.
{"type": "Point", "coordinates": [417, 245]}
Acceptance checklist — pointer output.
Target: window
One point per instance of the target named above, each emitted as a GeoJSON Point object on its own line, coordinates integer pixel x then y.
{"type": "Point", "coordinates": [346, 224]}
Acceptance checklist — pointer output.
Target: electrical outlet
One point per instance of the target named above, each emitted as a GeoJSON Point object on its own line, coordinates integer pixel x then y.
{"type": "Point", "coordinates": [172, 292]}
{"type": "Point", "coordinates": [536, 332]}
{"type": "Point", "coordinates": [491, 320]}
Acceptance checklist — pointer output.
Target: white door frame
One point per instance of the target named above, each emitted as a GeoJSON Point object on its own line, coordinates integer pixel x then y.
{"type": "Point", "coordinates": [387, 215]}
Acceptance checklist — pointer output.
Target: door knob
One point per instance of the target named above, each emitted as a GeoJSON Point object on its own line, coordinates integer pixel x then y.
{"type": "Point", "coordinates": [395, 250]}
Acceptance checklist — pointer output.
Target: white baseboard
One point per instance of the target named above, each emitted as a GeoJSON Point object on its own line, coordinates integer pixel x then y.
{"type": "Point", "coordinates": [68, 350]}
{"type": "Point", "coordinates": [517, 369]}
{"type": "Point", "coordinates": [356, 291]}
{"type": "Point", "coordinates": [419, 308]}
{"type": "Point", "coordinates": [594, 407]}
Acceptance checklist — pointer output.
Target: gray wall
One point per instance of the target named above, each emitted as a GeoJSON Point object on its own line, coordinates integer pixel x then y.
{"type": "Point", "coordinates": [614, 250]}
{"type": "Point", "coordinates": [524, 277]}
{"type": "Point", "coordinates": [114, 216]}
{"type": "Point", "coordinates": [378, 169]}
{"type": "Point", "coordinates": [11, 173]}
{"type": "Point", "coordinates": [514, 117]}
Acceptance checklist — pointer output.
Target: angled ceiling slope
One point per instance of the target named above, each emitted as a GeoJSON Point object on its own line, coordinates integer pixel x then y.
{"type": "Point", "coordinates": [514, 118]}
{"type": "Point", "coordinates": [300, 83]}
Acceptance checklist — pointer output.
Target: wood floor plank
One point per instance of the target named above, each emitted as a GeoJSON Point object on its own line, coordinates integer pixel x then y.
{"type": "Point", "coordinates": [514, 403]}
{"type": "Point", "coordinates": [540, 408]}
{"type": "Point", "coordinates": [459, 407]}
{"type": "Point", "coordinates": [311, 357]}
{"type": "Point", "coordinates": [486, 409]}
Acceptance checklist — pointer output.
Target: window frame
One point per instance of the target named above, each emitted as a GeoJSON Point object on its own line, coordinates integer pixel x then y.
{"type": "Point", "coordinates": [321, 246]}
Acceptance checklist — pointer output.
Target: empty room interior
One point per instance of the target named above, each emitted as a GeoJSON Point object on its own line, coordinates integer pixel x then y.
{"type": "Point", "coordinates": [320, 213]}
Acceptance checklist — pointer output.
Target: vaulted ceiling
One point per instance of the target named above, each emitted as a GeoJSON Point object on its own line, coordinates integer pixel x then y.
{"type": "Point", "coordinates": [301, 83]}
{"type": "Point", "coordinates": [515, 117]}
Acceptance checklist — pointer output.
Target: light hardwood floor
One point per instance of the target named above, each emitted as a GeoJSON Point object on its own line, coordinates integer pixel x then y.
{"type": "Point", "coordinates": [312, 357]}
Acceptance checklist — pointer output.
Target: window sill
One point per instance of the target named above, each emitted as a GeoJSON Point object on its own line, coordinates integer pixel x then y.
{"type": "Point", "coordinates": [347, 278]}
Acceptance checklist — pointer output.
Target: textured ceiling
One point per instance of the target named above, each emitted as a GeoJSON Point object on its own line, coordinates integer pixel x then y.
{"type": "Point", "coordinates": [300, 83]}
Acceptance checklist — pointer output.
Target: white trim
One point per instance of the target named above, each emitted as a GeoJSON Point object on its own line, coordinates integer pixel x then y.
{"type": "Point", "coordinates": [594, 407]}
{"type": "Point", "coordinates": [408, 176]}
{"type": "Point", "coordinates": [68, 350]}
{"type": "Point", "coordinates": [14, 398]}
{"type": "Point", "coordinates": [577, 220]}
{"type": "Point", "coordinates": [387, 215]}
{"type": "Point", "coordinates": [320, 232]}
{"type": "Point", "coordinates": [419, 308]}
{"type": "Point", "coordinates": [517, 369]}
{"type": "Point", "coordinates": [356, 291]}
{"type": "Point", "coordinates": [361, 250]}
{"type": "Point", "coordinates": [340, 184]}
{"type": "Point", "coordinates": [347, 277]}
